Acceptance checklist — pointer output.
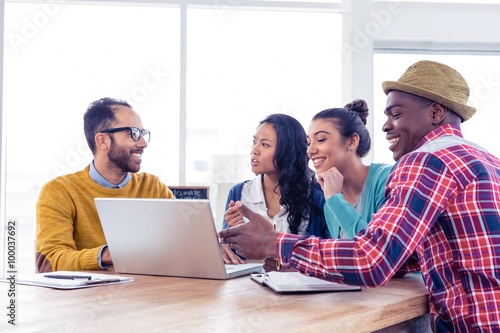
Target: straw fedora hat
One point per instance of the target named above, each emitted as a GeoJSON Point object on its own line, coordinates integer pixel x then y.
{"type": "Point", "coordinates": [436, 82]}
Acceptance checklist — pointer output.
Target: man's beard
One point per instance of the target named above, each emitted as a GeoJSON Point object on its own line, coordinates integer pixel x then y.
{"type": "Point", "coordinates": [121, 158]}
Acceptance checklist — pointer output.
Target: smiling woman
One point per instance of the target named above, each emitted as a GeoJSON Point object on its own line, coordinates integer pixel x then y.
{"type": "Point", "coordinates": [337, 141]}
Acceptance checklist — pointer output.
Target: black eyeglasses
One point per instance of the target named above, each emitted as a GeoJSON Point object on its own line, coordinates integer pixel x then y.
{"type": "Point", "coordinates": [135, 132]}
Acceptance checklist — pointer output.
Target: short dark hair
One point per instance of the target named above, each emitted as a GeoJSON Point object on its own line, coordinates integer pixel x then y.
{"type": "Point", "coordinates": [99, 115]}
{"type": "Point", "coordinates": [349, 120]}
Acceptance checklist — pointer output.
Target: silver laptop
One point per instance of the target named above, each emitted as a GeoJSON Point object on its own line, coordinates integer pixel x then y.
{"type": "Point", "coordinates": [170, 237]}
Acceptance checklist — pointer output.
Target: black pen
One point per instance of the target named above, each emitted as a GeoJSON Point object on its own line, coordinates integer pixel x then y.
{"type": "Point", "coordinates": [69, 277]}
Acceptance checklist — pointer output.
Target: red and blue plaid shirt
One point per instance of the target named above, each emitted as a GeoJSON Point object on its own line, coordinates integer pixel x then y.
{"type": "Point", "coordinates": [445, 207]}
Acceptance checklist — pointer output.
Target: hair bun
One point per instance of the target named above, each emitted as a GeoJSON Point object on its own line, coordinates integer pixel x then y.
{"type": "Point", "coordinates": [360, 107]}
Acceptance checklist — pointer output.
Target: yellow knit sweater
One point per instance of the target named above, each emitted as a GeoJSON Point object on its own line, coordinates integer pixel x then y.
{"type": "Point", "coordinates": [69, 235]}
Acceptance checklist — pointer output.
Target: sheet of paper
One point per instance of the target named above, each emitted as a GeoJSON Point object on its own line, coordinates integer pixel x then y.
{"type": "Point", "coordinates": [67, 279]}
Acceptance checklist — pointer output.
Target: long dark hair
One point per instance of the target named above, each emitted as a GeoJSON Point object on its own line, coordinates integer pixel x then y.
{"type": "Point", "coordinates": [295, 178]}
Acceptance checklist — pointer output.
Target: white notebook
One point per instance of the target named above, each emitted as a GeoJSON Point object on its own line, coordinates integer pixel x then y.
{"type": "Point", "coordinates": [295, 282]}
{"type": "Point", "coordinates": [66, 279]}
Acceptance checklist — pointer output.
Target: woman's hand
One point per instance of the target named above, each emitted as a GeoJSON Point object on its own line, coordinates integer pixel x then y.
{"type": "Point", "coordinates": [331, 182]}
{"type": "Point", "coordinates": [232, 216]}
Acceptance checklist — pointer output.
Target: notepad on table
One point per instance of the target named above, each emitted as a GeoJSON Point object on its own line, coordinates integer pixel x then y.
{"type": "Point", "coordinates": [295, 282]}
{"type": "Point", "coordinates": [67, 279]}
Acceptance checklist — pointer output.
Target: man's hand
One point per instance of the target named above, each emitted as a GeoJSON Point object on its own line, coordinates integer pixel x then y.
{"type": "Point", "coordinates": [106, 257]}
{"type": "Point", "coordinates": [255, 239]}
{"type": "Point", "coordinates": [229, 256]}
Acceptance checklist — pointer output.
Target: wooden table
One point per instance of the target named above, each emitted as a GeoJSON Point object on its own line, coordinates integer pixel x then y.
{"type": "Point", "coordinates": [168, 304]}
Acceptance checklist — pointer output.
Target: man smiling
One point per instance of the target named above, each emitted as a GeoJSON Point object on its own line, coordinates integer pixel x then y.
{"type": "Point", "coordinates": [69, 233]}
{"type": "Point", "coordinates": [443, 203]}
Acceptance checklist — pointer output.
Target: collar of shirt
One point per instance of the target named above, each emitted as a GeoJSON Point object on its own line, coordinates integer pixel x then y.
{"type": "Point", "coordinates": [443, 130]}
{"type": "Point", "coordinates": [256, 193]}
{"type": "Point", "coordinates": [253, 196]}
{"type": "Point", "coordinates": [96, 176]}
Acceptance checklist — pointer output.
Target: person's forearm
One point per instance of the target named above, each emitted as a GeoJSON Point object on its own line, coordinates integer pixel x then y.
{"type": "Point", "coordinates": [68, 260]}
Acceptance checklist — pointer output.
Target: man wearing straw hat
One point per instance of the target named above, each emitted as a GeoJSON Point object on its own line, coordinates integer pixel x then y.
{"type": "Point", "coordinates": [443, 203]}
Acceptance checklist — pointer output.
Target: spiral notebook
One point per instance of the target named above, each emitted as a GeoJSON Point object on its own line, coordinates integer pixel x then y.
{"type": "Point", "coordinates": [296, 282]}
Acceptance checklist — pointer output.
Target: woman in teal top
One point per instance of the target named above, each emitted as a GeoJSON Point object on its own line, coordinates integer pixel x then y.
{"type": "Point", "coordinates": [337, 141]}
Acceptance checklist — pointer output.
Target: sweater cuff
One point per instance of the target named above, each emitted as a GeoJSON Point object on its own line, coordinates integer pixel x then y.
{"type": "Point", "coordinates": [91, 259]}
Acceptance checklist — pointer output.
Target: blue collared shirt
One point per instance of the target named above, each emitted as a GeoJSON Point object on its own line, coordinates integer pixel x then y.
{"type": "Point", "coordinates": [96, 176]}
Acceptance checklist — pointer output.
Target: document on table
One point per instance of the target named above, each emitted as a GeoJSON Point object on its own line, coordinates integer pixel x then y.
{"type": "Point", "coordinates": [66, 279]}
{"type": "Point", "coordinates": [295, 282]}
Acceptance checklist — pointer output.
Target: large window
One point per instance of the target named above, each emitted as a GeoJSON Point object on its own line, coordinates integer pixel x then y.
{"type": "Point", "coordinates": [254, 63]}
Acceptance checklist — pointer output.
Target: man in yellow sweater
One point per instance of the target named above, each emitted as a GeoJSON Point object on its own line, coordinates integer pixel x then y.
{"type": "Point", "coordinates": [69, 235]}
